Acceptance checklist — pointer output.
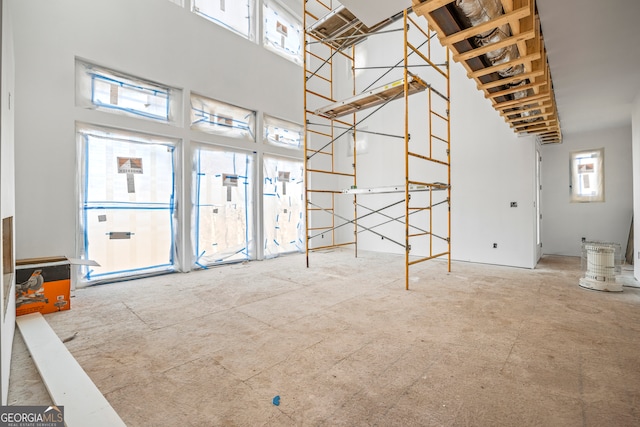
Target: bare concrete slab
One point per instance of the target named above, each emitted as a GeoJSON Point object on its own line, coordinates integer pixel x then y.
{"type": "Point", "coordinates": [342, 343]}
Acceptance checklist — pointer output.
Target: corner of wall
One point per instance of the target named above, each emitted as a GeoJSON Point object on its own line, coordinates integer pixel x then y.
{"type": "Point", "coordinates": [7, 190]}
{"type": "Point", "coordinates": [635, 147]}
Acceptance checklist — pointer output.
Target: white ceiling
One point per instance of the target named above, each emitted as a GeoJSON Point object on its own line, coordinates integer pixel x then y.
{"type": "Point", "coordinates": [373, 11]}
{"type": "Point", "coordinates": [594, 56]}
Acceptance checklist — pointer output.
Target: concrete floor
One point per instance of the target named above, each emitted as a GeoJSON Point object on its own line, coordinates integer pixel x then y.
{"type": "Point", "coordinates": [343, 343]}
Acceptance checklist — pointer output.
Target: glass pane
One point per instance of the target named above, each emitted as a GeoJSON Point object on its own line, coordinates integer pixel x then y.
{"type": "Point", "coordinates": [283, 206]}
{"type": "Point", "coordinates": [282, 32]}
{"type": "Point", "coordinates": [223, 206]}
{"type": "Point", "coordinates": [282, 133]}
{"type": "Point", "coordinates": [115, 92]}
{"type": "Point", "coordinates": [211, 116]}
{"type": "Point", "coordinates": [128, 211]}
{"type": "Point", "coordinates": [587, 176]}
{"type": "Point", "coordinates": [234, 15]}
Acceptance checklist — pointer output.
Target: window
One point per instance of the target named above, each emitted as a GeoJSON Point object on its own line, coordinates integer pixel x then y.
{"type": "Point", "coordinates": [234, 15]}
{"type": "Point", "coordinates": [282, 133]}
{"type": "Point", "coordinates": [116, 92]}
{"type": "Point", "coordinates": [283, 206]}
{"type": "Point", "coordinates": [211, 116]}
{"type": "Point", "coordinates": [282, 32]}
{"type": "Point", "coordinates": [128, 199]}
{"type": "Point", "coordinates": [222, 206]}
{"type": "Point", "coordinates": [587, 176]}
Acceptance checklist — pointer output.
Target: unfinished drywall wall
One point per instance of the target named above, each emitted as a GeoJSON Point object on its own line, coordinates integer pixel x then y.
{"type": "Point", "coordinates": [635, 125]}
{"type": "Point", "coordinates": [153, 39]}
{"type": "Point", "coordinates": [490, 166]}
{"type": "Point", "coordinates": [565, 223]}
{"type": "Point", "coordinates": [7, 192]}
{"type": "Point", "coordinates": [491, 169]}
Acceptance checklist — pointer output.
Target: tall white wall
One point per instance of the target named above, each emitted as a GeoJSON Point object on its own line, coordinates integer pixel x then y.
{"type": "Point", "coordinates": [635, 124]}
{"type": "Point", "coordinates": [491, 167]}
{"type": "Point", "coordinates": [565, 223]}
{"type": "Point", "coordinates": [7, 184]}
{"type": "Point", "coordinates": [152, 39]}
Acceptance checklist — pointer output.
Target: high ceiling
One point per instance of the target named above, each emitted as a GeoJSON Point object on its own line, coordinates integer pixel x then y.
{"type": "Point", "coordinates": [594, 56]}
{"type": "Point", "coordinates": [593, 52]}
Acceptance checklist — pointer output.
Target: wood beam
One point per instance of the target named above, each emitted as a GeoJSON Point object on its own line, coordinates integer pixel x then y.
{"type": "Point", "coordinates": [428, 6]}
{"type": "Point", "coordinates": [542, 104]}
{"type": "Point", "coordinates": [509, 80]}
{"type": "Point", "coordinates": [523, 101]}
{"type": "Point", "coordinates": [486, 26]}
{"type": "Point", "coordinates": [498, 67]}
{"type": "Point", "coordinates": [514, 90]}
{"type": "Point", "coordinates": [493, 46]}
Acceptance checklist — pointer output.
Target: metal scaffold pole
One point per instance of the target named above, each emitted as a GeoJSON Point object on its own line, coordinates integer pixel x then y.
{"type": "Point", "coordinates": [334, 114]}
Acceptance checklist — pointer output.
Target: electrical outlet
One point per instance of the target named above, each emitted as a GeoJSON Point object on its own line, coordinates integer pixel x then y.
{"type": "Point", "coordinates": [495, 246]}
{"type": "Point", "coordinates": [514, 204]}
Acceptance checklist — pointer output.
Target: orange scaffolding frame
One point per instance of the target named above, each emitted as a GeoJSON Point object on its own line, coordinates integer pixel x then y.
{"type": "Point", "coordinates": [330, 38]}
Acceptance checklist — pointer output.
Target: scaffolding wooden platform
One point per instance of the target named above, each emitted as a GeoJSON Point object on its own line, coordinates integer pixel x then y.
{"type": "Point", "coordinates": [341, 29]}
{"type": "Point", "coordinates": [374, 97]}
{"type": "Point", "coordinates": [435, 186]}
{"type": "Point", "coordinates": [525, 34]}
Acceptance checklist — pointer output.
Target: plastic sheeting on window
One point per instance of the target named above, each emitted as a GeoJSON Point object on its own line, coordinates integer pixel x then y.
{"type": "Point", "coordinates": [234, 15]}
{"type": "Point", "coordinates": [222, 214]}
{"type": "Point", "coordinates": [127, 203]}
{"type": "Point", "coordinates": [282, 32]}
{"type": "Point", "coordinates": [216, 117]}
{"type": "Point", "coordinates": [587, 176]}
{"type": "Point", "coordinates": [283, 206]}
{"type": "Point", "coordinates": [283, 133]}
{"type": "Point", "coordinates": [108, 90]}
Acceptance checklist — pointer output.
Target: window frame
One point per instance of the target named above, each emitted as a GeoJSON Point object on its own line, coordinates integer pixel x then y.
{"type": "Point", "coordinates": [582, 170]}
{"type": "Point", "coordinates": [292, 21]}
{"type": "Point", "coordinates": [288, 126]}
{"type": "Point", "coordinates": [250, 34]}
{"type": "Point", "coordinates": [88, 73]}
{"type": "Point", "coordinates": [226, 124]}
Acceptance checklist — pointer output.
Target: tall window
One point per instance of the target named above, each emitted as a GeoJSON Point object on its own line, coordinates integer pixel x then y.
{"type": "Point", "coordinates": [282, 31]}
{"type": "Point", "coordinates": [211, 116]}
{"type": "Point", "coordinates": [587, 176]}
{"type": "Point", "coordinates": [112, 91]}
{"type": "Point", "coordinates": [283, 206]}
{"type": "Point", "coordinates": [222, 206]}
{"type": "Point", "coordinates": [128, 199]}
{"type": "Point", "coordinates": [234, 15]}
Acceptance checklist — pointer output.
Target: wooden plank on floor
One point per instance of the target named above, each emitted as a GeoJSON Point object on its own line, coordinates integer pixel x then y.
{"type": "Point", "coordinates": [67, 383]}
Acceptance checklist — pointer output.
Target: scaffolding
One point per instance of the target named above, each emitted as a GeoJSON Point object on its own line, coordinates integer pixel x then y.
{"type": "Point", "coordinates": [337, 111]}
